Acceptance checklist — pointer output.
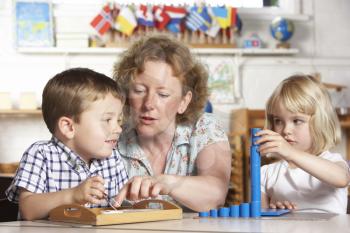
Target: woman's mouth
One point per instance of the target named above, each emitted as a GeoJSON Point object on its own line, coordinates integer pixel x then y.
{"type": "Point", "coordinates": [147, 120]}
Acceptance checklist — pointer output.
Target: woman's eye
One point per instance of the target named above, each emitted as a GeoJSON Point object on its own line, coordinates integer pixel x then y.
{"type": "Point", "coordinates": [163, 95]}
{"type": "Point", "coordinates": [138, 90]}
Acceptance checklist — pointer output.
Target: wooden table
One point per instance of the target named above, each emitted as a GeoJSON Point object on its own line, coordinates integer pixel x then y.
{"type": "Point", "coordinates": [298, 222]}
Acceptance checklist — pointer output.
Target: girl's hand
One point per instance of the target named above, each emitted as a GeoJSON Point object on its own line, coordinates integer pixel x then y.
{"type": "Point", "coordinates": [91, 190]}
{"type": "Point", "coordinates": [273, 143]}
{"type": "Point", "coordinates": [283, 205]}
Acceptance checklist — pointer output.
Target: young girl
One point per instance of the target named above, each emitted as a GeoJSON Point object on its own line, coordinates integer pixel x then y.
{"type": "Point", "coordinates": [301, 127]}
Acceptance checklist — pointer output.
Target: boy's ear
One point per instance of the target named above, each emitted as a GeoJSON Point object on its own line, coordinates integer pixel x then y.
{"type": "Point", "coordinates": [66, 127]}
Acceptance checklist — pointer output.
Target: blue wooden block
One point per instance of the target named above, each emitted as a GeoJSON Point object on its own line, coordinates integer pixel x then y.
{"type": "Point", "coordinates": [213, 213]}
{"type": "Point", "coordinates": [224, 212]}
{"type": "Point", "coordinates": [273, 212]}
{"type": "Point", "coordinates": [203, 214]}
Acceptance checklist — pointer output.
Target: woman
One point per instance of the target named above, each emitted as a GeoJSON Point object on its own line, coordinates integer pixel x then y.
{"type": "Point", "coordinates": [169, 146]}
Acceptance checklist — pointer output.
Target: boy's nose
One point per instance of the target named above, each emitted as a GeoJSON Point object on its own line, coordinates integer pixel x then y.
{"type": "Point", "coordinates": [117, 128]}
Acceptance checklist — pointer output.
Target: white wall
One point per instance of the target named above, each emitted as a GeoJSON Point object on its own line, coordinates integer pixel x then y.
{"type": "Point", "coordinates": [323, 42]}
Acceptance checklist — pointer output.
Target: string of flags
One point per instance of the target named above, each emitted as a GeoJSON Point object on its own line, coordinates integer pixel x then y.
{"type": "Point", "coordinates": [176, 19]}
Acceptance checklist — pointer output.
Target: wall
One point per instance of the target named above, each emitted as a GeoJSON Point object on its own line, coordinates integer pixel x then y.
{"type": "Point", "coordinates": [321, 50]}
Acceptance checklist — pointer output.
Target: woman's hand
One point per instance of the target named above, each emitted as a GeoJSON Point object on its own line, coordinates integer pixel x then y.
{"type": "Point", "coordinates": [273, 143]}
{"type": "Point", "coordinates": [283, 205]}
{"type": "Point", "coordinates": [143, 187]}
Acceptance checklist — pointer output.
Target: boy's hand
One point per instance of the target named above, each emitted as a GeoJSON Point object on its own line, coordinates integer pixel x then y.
{"type": "Point", "coordinates": [273, 143]}
{"type": "Point", "coordinates": [90, 191]}
{"type": "Point", "coordinates": [283, 205]}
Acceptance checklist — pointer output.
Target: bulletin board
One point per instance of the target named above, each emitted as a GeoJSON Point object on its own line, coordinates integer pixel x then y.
{"type": "Point", "coordinates": [33, 23]}
{"type": "Point", "coordinates": [222, 81]}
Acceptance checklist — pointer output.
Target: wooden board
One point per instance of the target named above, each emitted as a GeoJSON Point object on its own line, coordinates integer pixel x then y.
{"type": "Point", "coordinates": [143, 211]}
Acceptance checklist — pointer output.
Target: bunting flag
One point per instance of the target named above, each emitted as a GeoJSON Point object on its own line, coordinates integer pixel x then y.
{"type": "Point", "coordinates": [198, 18]}
{"type": "Point", "coordinates": [126, 21]}
{"type": "Point", "coordinates": [222, 16]}
{"type": "Point", "coordinates": [103, 21]}
{"type": "Point", "coordinates": [161, 18]}
{"type": "Point", "coordinates": [144, 16]}
{"type": "Point", "coordinates": [215, 27]}
{"type": "Point", "coordinates": [176, 15]}
{"type": "Point", "coordinates": [207, 19]}
{"type": "Point", "coordinates": [233, 16]}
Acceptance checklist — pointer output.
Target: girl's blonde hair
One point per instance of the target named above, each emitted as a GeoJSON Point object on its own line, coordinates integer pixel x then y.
{"type": "Point", "coordinates": [305, 94]}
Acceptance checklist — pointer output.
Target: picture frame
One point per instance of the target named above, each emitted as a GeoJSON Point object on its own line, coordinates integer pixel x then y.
{"type": "Point", "coordinates": [33, 23]}
{"type": "Point", "coordinates": [222, 81]}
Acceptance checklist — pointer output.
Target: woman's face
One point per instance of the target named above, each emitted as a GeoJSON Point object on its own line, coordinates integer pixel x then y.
{"type": "Point", "coordinates": [155, 98]}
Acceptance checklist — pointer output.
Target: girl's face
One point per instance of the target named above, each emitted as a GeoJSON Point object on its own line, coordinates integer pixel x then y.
{"type": "Point", "coordinates": [155, 99]}
{"type": "Point", "coordinates": [293, 127]}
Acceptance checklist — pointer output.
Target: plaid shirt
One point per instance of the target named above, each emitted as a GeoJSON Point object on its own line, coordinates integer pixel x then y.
{"type": "Point", "coordinates": [50, 166]}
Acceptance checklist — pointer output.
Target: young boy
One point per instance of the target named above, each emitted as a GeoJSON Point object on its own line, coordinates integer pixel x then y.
{"type": "Point", "coordinates": [81, 109]}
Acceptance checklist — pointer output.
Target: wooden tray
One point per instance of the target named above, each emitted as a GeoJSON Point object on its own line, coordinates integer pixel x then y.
{"type": "Point", "coordinates": [143, 211]}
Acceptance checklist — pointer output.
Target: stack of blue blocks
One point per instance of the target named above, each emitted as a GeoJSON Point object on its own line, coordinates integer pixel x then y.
{"type": "Point", "coordinates": [234, 211]}
{"type": "Point", "coordinates": [252, 209]}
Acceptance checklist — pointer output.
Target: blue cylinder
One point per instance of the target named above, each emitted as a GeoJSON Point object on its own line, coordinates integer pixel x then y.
{"type": "Point", "coordinates": [203, 214]}
{"type": "Point", "coordinates": [213, 213]}
{"type": "Point", "coordinates": [255, 209]}
{"type": "Point", "coordinates": [255, 163]}
{"type": "Point", "coordinates": [244, 210]}
{"type": "Point", "coordinates": [224, 212]}
{"type": "Point", "coordinates": [234, 211]}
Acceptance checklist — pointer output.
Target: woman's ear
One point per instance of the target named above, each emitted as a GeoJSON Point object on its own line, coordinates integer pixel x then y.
{"type": "Point", "coordinates": [66, 127]}
{"type": "Point", "coordinates": [186, 100]}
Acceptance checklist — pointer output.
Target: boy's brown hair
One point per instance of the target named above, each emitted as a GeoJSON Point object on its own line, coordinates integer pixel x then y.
{"type": "Point", "coordinates": [70, 92]}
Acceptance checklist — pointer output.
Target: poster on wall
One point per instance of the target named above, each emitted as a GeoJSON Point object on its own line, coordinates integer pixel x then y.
{"type": "Point", "coordinates": [222, 81]}
{"type": "Point", "coordinates": [33, 23]}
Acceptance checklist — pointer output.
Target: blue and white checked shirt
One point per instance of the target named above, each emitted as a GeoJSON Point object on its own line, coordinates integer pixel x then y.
{"type": "Point", "coordinates": [50, 166]}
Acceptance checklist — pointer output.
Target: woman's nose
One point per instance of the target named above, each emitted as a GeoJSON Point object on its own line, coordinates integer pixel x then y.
{"type": "Point", "coordinates": [149, 102]}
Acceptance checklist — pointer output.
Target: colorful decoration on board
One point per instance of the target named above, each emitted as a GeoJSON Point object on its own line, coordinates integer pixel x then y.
{"type": "Point", "coordinates": [103, 21]}
{"type": "Point", "coordinates": [282, 30]}
{"type": "Point", "coordinates": [128, 18]}
{"type": "Point", "coordinates": [253, 41]}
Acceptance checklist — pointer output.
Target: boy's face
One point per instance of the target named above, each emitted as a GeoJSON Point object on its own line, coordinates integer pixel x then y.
{"type": "Point", "coordinates": [98, 129]}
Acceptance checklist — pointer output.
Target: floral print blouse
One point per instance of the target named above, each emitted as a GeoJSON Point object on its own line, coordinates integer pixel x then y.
{"type": "Point", "coordinates": [181, 159]}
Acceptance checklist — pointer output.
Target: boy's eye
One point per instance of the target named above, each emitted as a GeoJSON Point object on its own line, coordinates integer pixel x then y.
{"type": "Point", "coordinates": [107, 120]}
{"type": "Point", "coordinates": [120, 119]}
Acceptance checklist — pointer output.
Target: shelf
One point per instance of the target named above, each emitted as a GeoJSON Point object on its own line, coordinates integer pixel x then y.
{"type": "Point", "coordinates": [113, 51]}
{"type": "Point", "coordinates": [18, 112]}
{"type": "Point", "coordinates": [269, 13]}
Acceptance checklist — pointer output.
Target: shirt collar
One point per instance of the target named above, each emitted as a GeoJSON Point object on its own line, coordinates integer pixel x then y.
{"type": "Point", "coordinates": [129, 147]}
{"type": "Point", "coordinates": [73, 159]}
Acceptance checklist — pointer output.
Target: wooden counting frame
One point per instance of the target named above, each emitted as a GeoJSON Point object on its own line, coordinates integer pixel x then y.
{"type": "Point", "coordinates": [143, 211]}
